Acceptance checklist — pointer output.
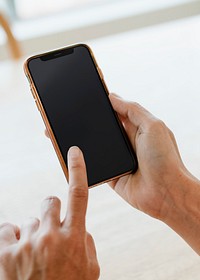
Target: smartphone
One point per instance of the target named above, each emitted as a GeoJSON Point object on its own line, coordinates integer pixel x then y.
{"type": "Point", "coordinates": [72, 97]}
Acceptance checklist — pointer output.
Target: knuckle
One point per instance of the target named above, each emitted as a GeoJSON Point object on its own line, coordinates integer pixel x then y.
{"type": "Point", "coordinates": [89, 236]}
{"type": "Point", "coordinates": [90, 240]}
{"type": "Point", "coordinates": [76, 246]}
{"type": "Point", "coordinates": [23, 250]}
{"type": "Point", "coordinates": [5, 255]}
{"type": "Point", "coordinates": [157, 125]}
{"type": "Point", "coordinates": [171, 134]}
{"type": "Point", "coordinates": [135, 104]}
{"type": "Point", "coordinates": [95, 272]}
{"type": "Point", "coordinates": [46, 240]}
{"type": "Point", "coordinates": [74, 164]}
{"type": "Point", "coordinates": [78, 191]}
{"type": "Point", "coordinates": [136, 108]}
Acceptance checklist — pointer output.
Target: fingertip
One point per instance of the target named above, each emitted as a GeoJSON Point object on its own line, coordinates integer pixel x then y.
{"type": "Point", "coordinates": [119, 105]}
{"type": "Point", "coordinates": [74, 152]}
{"type": "Point", "coordinates": [46, 133]}
{"type": "Point", "coordinates": [50, 212]}
{"type": "Point", "coordinates": [10, 230]}
{"type": "Point", "coordinates": [115, 98]}
{"type": "Point", "coordinates": [51, 199]}
{"type": "Point", "coordinates": [50, 202]}
{"type": "Point", "coordinates": [114, 95]}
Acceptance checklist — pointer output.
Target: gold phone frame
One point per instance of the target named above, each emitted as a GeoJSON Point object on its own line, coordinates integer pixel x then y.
{"type": "Point", "coordinates": [44, 116]}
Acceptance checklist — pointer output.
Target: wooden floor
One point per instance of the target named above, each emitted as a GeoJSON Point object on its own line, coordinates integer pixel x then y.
{"type": "Point", "coordinates": [158, 67]}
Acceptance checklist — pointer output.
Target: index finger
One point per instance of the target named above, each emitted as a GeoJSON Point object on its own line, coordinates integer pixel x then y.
{"type": "Point", "coordinates": [78, 190]}
{"type": "Point", "coordinates": [137, 114]}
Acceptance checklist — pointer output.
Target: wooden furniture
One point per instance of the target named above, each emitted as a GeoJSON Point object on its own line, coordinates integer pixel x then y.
{"type": "Point", "coordinates": [12, 42]}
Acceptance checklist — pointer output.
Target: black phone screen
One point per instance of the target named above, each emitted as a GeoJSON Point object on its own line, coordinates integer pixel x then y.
{"type": "Point", "coordinates": [79, 112]}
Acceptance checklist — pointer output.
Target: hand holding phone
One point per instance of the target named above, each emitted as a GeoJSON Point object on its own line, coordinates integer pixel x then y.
{"type": "Point", "coordinates": [72, 97]}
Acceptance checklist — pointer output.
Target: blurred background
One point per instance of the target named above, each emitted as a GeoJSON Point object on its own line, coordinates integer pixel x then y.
{"type": "Point", "coordinates": [149, 52]}
{"type": "Point", "coordinates": [40, 25]}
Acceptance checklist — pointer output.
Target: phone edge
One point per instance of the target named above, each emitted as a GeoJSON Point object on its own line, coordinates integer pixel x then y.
{"type": "Point", "coordinates": [45, 119]}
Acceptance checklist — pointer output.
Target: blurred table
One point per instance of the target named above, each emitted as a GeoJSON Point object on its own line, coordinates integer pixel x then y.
{"type": "Point", "coordinates": [158, 67]}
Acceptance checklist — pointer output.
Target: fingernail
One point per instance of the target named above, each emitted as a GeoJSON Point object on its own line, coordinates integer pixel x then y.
{"type": "Point", "coordinates": [74, 152]}
{"type": "Point", "coordinates": [50, 199]}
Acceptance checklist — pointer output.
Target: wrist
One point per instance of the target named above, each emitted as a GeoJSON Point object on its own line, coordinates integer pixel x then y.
{"type": "Point", "coordinates": [181, 208]}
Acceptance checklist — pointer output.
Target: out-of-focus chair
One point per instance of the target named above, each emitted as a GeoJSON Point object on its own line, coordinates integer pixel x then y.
{"type": "Point", "coordinates": [12, 42]}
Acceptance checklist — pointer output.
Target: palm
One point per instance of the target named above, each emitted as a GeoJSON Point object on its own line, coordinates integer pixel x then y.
{"type": "Point", "coordinates": [144, 190]}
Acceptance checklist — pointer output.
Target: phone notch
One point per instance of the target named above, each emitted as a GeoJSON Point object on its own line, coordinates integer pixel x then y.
{"type": "Point", "coordinates": [56, 54]}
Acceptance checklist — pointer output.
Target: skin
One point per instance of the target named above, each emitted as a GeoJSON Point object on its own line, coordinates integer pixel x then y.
{"type": "Point", "coordinates": [162, 188]}
{"type": "Point", "coordinates": [48, 248]}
